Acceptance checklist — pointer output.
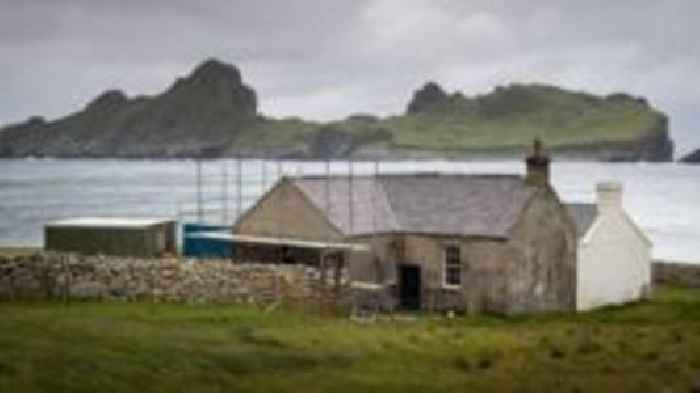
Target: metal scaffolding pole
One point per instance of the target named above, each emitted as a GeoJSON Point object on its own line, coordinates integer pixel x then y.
{"type": "Point", "coordinates": [263, 168]}
{"type": "Point", "coordinates": [280, 170]}
{"type": "Point", "coordinates": [200, 198]}
{"type": "Point", "coordinates": [328, 190]}
{"type": "Point", "coordinates": [324, 253]}
{"type": "Point", "coordinates": [239, 188]}
{"type": "Point", "coordinates": [280, 214]}
{"type": "Point", "coordinates": [224, 191]}
{"type": "Point", "coordinates": [373, 198]}
{"type": "Point", "coordinates": [351, 199]}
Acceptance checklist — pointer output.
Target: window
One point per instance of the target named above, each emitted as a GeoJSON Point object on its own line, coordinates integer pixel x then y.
{"type": "Point", "coordinates": [453, 267]}
{"type": "Point", "coordinates": [335, 261]}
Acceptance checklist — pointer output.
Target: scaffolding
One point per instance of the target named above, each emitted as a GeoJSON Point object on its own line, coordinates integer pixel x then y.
{"type": "Point", "coordinates": [225, 190]}
{"type": "Point", "coordinates": [222, 195]}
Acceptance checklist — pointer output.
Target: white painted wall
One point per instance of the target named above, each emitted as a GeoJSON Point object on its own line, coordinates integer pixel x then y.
{"type": "Point", "coordinates": [614, 257]}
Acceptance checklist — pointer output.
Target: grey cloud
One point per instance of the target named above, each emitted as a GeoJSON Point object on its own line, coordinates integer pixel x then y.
{"type": "Point", "coordinates": [328, 59]}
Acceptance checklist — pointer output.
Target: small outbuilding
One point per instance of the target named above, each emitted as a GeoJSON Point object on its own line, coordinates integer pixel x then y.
{"type": "Point", "coordinates": [613, 256]}
{"type": "Point", "coordinates": [135, 237]}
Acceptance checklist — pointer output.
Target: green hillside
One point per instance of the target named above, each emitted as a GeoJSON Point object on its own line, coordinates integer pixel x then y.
{"type": "Point", "coordinates": [513, 116]}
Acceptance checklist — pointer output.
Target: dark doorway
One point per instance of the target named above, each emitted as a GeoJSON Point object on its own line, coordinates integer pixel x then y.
{"type": "Point", "coordinates": [409, 287]}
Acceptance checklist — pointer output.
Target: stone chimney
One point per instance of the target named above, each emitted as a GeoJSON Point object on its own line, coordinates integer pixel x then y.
{"type": "Point", "coordinates": [609, 196]}
{"type": "Point", "coordinates": [537, 166]}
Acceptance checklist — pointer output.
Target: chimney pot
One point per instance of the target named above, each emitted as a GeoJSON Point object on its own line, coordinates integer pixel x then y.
{"type": "Point", "coordinates": [537, 165]}
{"type": "Point", "coordinates": [609, 195]}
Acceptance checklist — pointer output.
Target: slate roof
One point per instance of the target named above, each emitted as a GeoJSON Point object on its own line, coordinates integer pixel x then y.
{"type": "Point", "coordinates": [584, 215]}
{"type": "Point", "coordinates": [430, 203]}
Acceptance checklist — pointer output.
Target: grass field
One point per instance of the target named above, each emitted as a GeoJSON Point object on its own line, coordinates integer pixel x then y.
{"type": "Point", "coordinates": [87, 347]}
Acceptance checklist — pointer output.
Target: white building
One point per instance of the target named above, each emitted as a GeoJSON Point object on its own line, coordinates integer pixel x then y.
{"type": "Point", "coordinates": [614, 255]}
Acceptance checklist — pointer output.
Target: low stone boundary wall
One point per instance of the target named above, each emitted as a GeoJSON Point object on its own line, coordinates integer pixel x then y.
{"type": "Point", "coordinates": [675, 273]}
{"type": "Point", "coordinates": [56, 276]}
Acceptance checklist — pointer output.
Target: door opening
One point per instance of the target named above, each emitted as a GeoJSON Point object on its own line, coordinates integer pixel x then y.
{"type": "Point", "coordinates": [410, 287]}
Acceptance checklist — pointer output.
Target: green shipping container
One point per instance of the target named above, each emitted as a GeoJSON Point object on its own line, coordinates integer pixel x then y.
{"type": "Point", "coordinates": [134, 237]}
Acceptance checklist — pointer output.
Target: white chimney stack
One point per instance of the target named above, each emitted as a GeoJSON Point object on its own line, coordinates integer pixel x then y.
{"type": "Point", "coordinates": [609, 196]}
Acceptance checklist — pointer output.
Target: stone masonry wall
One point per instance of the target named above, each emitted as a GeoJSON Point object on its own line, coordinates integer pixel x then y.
{"type": "Point", "coordinates": [678, 274]}
{"type": "Point", "coordinates": [55, 276]}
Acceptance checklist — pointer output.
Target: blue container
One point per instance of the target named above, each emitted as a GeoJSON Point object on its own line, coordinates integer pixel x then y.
{"type": "Point", "coordinates": [198, 241]}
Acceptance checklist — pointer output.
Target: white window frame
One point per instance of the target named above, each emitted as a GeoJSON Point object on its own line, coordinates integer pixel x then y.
{"type": "Point", "coordinates": [444, 267]}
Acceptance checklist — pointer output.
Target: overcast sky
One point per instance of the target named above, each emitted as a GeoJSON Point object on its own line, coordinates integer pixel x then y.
{"type": "Point", "coordinates": [329, 58]}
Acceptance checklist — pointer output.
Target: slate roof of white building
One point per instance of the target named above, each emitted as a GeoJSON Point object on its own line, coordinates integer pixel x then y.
{"type": "Point", "coordinates": [429, 203]}
{"type": "Point", "coordinates": [584, 215]}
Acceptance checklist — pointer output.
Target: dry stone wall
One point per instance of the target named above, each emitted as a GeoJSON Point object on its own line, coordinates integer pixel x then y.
{"type": "Point", "coordinates": [55, 276]}
{"type": "Point", "coordinates": [677, 274]}
{"type": "Point", "coordinates": [52, 276]}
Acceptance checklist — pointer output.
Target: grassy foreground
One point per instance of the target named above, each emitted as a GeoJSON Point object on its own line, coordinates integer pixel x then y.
{"type": "Point", "coordinates": [87, 347]}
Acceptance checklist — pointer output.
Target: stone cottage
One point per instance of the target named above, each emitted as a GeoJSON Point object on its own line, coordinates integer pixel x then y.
{"type": "Point", "coordinates": [614, 254]}
{"type": "Point", "coordinates": [496, 243]}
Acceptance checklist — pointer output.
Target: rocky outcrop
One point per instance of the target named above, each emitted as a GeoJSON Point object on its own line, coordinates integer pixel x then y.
{"type": "Point", "coordinates": [656, 145]}
{"type": "Point", "coordinates": [199, 115]}
{"type": "Point", "coordinates": [428, 96]}
{"type": "Point", "coordinates": [108, 102]}
{"type": "Point", "coordinates": [691, 158]}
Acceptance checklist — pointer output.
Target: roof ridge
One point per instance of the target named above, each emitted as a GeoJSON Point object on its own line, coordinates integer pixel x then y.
{"type": "Point", "coordinates": [405, 174]}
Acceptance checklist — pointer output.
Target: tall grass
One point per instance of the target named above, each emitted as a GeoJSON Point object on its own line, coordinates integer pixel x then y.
{"type": "Point", "coordinates": [85, 347]}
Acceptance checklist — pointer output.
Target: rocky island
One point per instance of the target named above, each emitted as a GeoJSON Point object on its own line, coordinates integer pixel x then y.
{"type": "Point", "coordinates": [213, 113]}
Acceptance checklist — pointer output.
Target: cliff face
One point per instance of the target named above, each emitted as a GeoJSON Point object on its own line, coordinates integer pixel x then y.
{"type": "Point", "coordinates": [656, 145]}
{"type": "Point", "coordinates": [213, 113]}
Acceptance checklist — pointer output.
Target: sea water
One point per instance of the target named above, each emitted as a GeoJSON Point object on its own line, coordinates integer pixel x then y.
{"type": "Point", "coordinates": [664, 199]}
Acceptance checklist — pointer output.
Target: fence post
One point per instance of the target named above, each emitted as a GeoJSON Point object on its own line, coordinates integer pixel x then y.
{"type": "Point", "coordinates": [67, 280]}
